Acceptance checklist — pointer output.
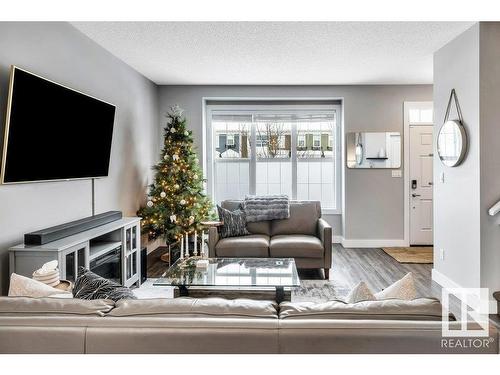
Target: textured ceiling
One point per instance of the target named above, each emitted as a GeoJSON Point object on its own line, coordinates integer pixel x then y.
{"type": "Point", "coordinates": [281, 53]}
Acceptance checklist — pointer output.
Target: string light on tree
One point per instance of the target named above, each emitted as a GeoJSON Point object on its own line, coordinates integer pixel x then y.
{"type": "Point", "coordinates": [176, 202]}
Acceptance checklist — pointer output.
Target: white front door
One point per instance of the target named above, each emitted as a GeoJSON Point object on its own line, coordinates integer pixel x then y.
{"type": "Point", "coordinates": [421, 153]}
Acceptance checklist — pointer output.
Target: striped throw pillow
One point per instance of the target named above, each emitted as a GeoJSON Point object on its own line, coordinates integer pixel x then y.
{"type": "Point", "coordinates": [235, 223]}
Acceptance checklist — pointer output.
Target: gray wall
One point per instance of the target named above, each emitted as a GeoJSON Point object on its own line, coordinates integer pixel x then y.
{"type": "Point", "coordinates": [60, 52]}
{"type": "Point", "coordinates": [463, 228]}
{"type": "Point", "coordinates": [374, 200]}
{"type": "Point", "coordinates": [456, 201]}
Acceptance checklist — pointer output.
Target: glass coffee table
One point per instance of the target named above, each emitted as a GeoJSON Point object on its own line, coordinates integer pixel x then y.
{"type": "Point", "coordinates": [256, 278]}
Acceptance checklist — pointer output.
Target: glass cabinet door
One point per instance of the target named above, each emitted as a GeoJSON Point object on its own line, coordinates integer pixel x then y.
{"type": "Point", "coordinates": [134, 238]}
{"type": "Point", "coordinates": [73, 259]}
{"type": "Point", "coordinates": [132, 244]}
{"type": "Point", "coordinates": [70, 267]}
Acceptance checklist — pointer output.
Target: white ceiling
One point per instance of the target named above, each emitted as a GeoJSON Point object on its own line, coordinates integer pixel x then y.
{"type": "Point", "coordinates": [281, 53]}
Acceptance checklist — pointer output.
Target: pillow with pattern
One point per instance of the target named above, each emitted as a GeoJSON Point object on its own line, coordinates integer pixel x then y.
{"type": "Point", "coordinates": [89, 285]}
{"type": "Point", "coordinates": [235, 223]}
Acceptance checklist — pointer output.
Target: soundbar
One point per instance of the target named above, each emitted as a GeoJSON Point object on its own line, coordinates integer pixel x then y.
{"type": "Point", "coordinates": [43, 236]}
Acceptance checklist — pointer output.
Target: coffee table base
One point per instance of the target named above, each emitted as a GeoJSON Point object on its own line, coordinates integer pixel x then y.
{"type": "Point", "coordinates": [278, 294]}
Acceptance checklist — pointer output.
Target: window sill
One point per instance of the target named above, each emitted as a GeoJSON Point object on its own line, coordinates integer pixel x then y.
{"type": "Point", "coordinates": [331, 211]}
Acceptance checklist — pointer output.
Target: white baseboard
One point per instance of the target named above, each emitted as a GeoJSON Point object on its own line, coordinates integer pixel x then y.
{"type": "Point", "coordinates": [373, 243]}
{"type": "Point", "coordinates": [446, 282]}
{"type": "Point", "coordinates": [337, 239]}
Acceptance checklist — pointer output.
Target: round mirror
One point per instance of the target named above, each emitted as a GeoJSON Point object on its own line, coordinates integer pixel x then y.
{"type": "Point", "coordinates": [452, 143]}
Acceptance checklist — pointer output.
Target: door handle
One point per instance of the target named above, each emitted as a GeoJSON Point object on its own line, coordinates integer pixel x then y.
{"type": "Point", "coordinates": [415, 195]}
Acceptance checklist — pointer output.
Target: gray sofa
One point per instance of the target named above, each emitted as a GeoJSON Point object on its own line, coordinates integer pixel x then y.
{"type": "Point", "coordinates": [216, 325]}
{"type": "Point", "coordinates": [304, 236]}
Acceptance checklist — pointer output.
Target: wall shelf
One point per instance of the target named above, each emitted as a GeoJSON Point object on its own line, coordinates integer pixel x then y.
{"type": "Point", "coordinates": [377, 158]}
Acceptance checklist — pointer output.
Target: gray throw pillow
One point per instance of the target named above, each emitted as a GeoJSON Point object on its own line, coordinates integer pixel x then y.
{"type": "Point", "coordinates": [89, 285]}
{"type": "Point", "coordinates": [235, 223]}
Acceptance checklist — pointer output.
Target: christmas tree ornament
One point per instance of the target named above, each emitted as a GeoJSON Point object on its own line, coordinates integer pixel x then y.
{"type": "Point", "coordinates": [150, 204]}
{"type": "Point", "coordinates": [186, 133]}
{"type": "Point", "coordinates": [176, 111]}
{"type": "Point", "coordinates": [163, 194]}
{"type": "Point", "coordinates": [172, 130]}
{"type": "Point", "coordinates": [182, 202]}
{"type": "Point", "coordinates": [176, 186]}
{"type": "Point", "coordinates": [175, 157]}
{"type": "Point", "coordinates": [165, 157]}
{"type": "Point", "coordinates": [173, 218]}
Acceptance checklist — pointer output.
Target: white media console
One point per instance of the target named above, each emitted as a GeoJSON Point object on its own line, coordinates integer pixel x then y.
{"type": "Point", "coordinates": [111, 250]}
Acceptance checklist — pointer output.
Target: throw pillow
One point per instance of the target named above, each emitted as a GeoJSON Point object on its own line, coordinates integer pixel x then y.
{"type": "Point", "coordinates": [89, 285]}
{"type": "Point", "coordinates": [235, 223]}
{"type": "Point", "coordinates": [401, 289]}
{"type": "Point", "coordinates": [360, 292]}
{"type": "Point", "coordinates": [21, 286]}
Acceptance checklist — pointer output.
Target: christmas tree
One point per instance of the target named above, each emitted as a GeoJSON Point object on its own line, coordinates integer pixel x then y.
{"type": "Point", "coordinates": [176, 203]}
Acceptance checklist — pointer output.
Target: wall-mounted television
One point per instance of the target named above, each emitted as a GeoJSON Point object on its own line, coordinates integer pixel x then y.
{"type": "Point", "coordinates": [53, 132]}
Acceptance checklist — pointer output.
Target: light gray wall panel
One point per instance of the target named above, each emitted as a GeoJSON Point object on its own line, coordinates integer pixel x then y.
{"type": "Point", "coordinates": [60, 52]}
{"type": "Point", "coordinates": [457, 200]}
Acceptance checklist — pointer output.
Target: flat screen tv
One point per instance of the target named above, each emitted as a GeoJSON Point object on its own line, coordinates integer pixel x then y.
{"type": "Point", "coordinates": [53, 132]}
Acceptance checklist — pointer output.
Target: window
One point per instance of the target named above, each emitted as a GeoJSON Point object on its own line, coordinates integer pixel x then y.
{"type": "Point", "coordinates": [274, 149]}
{"type": "Point", "coordinates": [420, 116]}
{"type": "Point", "coordinates": [316, 140]}
{"type": "Point", "coordinates": [261, 141]}
{"type": "Point", "coordinates": [301, 141]}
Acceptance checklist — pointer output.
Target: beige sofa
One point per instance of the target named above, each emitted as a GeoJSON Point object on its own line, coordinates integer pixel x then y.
{"type": "Point", "coordinates": [304, 236]}
{"type": "Point", "coordinates": [215, 325]}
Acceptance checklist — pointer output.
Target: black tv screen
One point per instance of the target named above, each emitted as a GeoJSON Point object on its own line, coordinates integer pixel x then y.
{"type": "Point", "coordinates": [53, 132]}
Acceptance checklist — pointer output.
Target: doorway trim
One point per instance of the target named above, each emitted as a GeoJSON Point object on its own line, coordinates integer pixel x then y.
{"type": "Point", "coordinates": [406, 160]}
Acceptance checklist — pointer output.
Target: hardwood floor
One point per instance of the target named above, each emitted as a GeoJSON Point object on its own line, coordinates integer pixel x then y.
{"type": "Point", "coordinates": [377, 269]}
{"type": "Point", "coordinates": [155, 265]}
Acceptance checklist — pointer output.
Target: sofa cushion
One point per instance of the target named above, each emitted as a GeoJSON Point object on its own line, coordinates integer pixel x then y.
{"type": "Point", "coordinates": [54, 306]}
{"type": "Point", "coordinates": [259, 227]}
{"type": "Point", "coordinates": [296, 246]}
{"type": "Point", "coordinates": [303, 219]}
{"type": "Point", "coordinates": [218, 307]}
{"type": "Point", "coordinates": [393, 309]}
{"type": "Point", "coordinates": [253, 245]}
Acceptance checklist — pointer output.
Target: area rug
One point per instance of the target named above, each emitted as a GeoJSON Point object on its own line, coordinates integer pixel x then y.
{"type": "Point", "coordinates": [318, 291]}
{"type": "Point", "coordinates": [414, 254]}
